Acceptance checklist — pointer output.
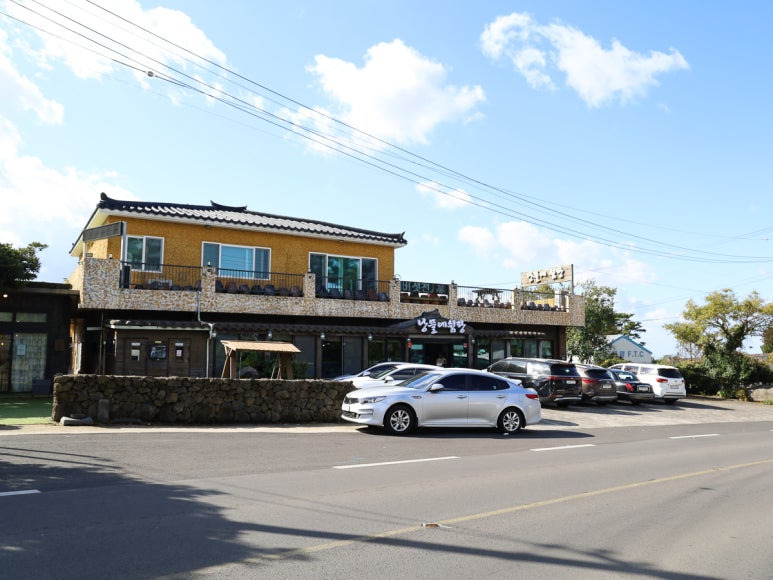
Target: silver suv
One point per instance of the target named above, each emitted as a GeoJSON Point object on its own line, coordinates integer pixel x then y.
{"type": "Point", "coordinates": [556, 381]}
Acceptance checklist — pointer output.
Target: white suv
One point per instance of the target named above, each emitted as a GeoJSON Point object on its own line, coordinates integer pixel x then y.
{"type": "Point", "coordinates": [667, 382]}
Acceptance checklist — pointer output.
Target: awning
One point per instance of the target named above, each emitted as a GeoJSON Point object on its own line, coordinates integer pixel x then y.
{"type": "Point", "coordinates": [265, 346]}
{"type": "Point", "coordinates": [282, 368]}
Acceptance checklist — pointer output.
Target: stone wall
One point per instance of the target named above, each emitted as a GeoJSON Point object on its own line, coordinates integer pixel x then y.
{"type": "Point", "coordinates": [190, 400]}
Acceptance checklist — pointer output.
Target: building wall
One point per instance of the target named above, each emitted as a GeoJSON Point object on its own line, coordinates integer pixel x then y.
{"type": "Point", "coordinates": [289, 253]}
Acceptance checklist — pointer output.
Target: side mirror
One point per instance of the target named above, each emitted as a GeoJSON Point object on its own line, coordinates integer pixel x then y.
{"type": "Point", "coordinates": [436, 387]}
{"type": "Point", "coordinates": [388, 379]}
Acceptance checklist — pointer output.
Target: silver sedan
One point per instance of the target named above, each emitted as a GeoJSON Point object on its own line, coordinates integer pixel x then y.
{"type": "Point", "coordinates": [445, 398]}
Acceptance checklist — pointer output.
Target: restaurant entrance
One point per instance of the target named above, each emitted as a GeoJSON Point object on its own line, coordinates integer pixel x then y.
{"type": "Point", "coordinates": [454, 351]}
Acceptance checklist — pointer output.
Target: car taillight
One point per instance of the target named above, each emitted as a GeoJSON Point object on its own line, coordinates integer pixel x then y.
{"type": "Point", "coordinates": [589, 381]}
{"type": "Point", "coordinates": [661, 380]}
{"type": "Point", "coordinates": [628, 387]}
{"type": "Point", "coordinates": [532, 396]}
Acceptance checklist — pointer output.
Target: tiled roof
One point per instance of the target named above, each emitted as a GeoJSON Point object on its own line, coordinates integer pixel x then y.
{"type": "Point", "coordinates": [240, 216]}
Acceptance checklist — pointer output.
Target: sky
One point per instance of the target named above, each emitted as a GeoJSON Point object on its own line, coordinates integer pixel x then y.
{"type": "Point", "coordinates": [630, 139]}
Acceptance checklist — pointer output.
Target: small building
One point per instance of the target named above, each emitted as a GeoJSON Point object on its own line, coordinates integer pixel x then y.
{"type": "Point", "coordinates": [628, 349]}
{"type": "Point", "coordinates": [34, 335]}
{"type": "Point", "coordinates": [162, 285]}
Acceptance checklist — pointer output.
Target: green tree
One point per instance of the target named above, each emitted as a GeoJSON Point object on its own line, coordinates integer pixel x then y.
{"type": "Point", "coordinates": [589, 343]}
{"type": "Point", "coordinates": [19, 265]}
{"type": "Point", "coordinates": [767, 340]}
{"type": "Point", "coordinates": [719, 328]}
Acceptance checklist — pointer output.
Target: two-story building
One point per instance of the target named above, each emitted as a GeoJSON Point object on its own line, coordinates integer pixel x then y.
{"type": "Point", "coordinates": [162, 284]}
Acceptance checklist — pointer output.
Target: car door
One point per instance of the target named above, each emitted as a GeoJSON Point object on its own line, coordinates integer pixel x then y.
{"type": "Point", "coordinates": [447, 406]}
{"type": "Point", "coordinates": [487, 398]}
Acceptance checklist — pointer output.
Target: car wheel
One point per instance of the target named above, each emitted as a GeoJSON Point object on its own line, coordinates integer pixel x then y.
{"type": "Point", "coordinates": [510, 421]}
{"type": "Point", "coordinates": [399, 420]}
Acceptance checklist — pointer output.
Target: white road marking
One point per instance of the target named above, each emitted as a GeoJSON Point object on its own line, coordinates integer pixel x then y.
{"type": "Point", "coordinates": [23, 492]}
{"type": "Point", "coordinates": [394, 462]}
{"type": "Point", "coordinates": [695, 436]}
{"type": "Point", "coordinates": [563, 447]}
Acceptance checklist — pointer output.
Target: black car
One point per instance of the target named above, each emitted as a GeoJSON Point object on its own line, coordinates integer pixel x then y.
{"type": "Point", "coordinates": [630, 388]}
{"type": "Point", "coordinates": [598, 384]}
{"type": "Point", "coordinates": [556, 381]}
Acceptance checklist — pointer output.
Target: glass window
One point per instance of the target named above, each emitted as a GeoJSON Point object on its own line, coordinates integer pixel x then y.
{"type": "Point", "coordinates": [144, 253]}
{"type": "Point", "coordinates": [343, 272]}
{"type": "Point", "coordinates": [30, 317]}
{"type": "Point", "coordinates": [6, 316]}
{"type": "Point", "coordinates": [546, 348]}
{"type": "Point", "coordinates": [236, 260]}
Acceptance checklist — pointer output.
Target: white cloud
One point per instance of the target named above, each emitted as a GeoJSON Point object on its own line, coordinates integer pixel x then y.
{"type": "Point", "coordinates": [598, 75]}
{"type": "Point", "coordinates": [20, 92]}
{"type": "Point", "coordinates": [443, 197]}
{"type": "Point", "coordinates": [87, 60]}
{"type": "Point", "coordinates": [520, 246]}
{"type": "Point", "coordinates": [398, 94]}
{"type": "Point", "coordinates": [44, 204]}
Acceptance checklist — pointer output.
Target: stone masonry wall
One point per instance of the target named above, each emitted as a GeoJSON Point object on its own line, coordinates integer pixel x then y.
{"type": "Point", "coordinates": [190, 400]}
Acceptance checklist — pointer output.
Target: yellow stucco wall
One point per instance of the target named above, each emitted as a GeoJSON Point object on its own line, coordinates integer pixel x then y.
{"type": "Point", "coordinates": [289, 253]}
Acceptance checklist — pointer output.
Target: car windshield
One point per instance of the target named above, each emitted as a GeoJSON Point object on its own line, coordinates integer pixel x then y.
{"type": "Point", "coordinates": [381, 373]}
{"type": "Point", "coordinates": [377, 369]}
{"type": "Point", "coordinates": [669, 373]}
{"type": "Point", "coordinates": [597, 373]}
{"type": "Point", "coordinates": [420, 381]}
{"type": "Point", "coordinates": [626, 376]}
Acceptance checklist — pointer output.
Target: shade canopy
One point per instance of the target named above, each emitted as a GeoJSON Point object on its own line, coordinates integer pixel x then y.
{"type": "Point", "coordinates": [282, 368]}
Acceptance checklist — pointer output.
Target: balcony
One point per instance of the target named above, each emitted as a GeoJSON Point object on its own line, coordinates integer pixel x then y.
{"type": "Point", "coordinates": [112, 285]}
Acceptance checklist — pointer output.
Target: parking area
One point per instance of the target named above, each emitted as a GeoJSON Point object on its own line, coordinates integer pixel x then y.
{"type": "Point", "coordinates": [693, 410]}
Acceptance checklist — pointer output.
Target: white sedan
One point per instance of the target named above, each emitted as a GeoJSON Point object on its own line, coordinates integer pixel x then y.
{"type": "Point", "coordinates": [445, 398]}
{"type": "Point", "coordinates": [392, 376]}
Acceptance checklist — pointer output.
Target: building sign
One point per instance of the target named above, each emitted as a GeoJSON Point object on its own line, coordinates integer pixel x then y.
{"type": "Point", "coordinates": [433, 325]}
{"type": "Point", "coordinates": [552, 275]}
{"type": "Point", "coordinates": [106, 231]}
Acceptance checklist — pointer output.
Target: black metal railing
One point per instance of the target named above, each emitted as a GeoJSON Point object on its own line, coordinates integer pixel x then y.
{"type": "Point", "coordinates": [352, 288]}
{"type": "Point", "coordinates": [475, 296]}
{"type": "Point", "coordinates": [258, 283]}
{"type": "Point", "coordinates": [153, 276]}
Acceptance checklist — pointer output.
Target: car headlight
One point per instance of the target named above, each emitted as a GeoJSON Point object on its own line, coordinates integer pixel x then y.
{"type": "Point", "coordinates": [371, 400]}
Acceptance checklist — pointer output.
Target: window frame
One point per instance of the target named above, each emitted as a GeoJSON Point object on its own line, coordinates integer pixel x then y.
{"type": "Point", "coordinates": [144, 265]}
{"type": "Point", "coordinates": [340, 279]}
{"type": "Point", "coordinates": [221, 271]}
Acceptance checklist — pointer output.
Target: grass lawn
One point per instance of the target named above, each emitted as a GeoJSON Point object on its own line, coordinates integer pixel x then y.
{"type": "Point", "coordinates": [25, 410]}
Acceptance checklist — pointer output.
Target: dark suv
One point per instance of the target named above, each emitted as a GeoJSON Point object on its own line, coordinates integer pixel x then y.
{"type": "Point", "coordinates": [598, 384]}
{"type": "Point", "coordinates": [556, 381]}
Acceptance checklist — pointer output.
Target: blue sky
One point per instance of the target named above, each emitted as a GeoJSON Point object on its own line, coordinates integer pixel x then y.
{"type": "Point", "coordinates": [631, 139]}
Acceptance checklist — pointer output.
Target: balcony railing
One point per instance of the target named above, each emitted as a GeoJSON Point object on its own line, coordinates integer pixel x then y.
{"type": "Point", "coordinates": [352, 288]}
{"type": "Point", "coordinates": [554, 301]}
{"type": "Point", "coordinates": [154, 276]}
{"type": "Point", "coordinates": [258, 283]}
{"type": "Point", "coordinates": [473, 296]}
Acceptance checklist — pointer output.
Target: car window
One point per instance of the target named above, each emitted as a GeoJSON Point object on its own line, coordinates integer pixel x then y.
{"type": "Point", "coordinates": [517, 367]}
{"type": "Point", "coordinates": [455, 382]}
{"type": "Point", "coordinates": [404, 373]}
{"type": "Point", "coordinates": [563, 370]}
{"type": "Point", "coordinates": [648, 371]}
{"type": "Point", "coordinates": [670, 373]}
{"type": "Point", "coordinates": [500, 367]}
{"type": "Point", "coordinates": [537, 368]}
{"type": "Point", "coordinates": [597, 373]}
{"type": "Point", "coordinates": [420, 381]}
{"type": "Point", "coordinates": [626, 376]}
{"type": "Point", "coordinates": [484, 383]}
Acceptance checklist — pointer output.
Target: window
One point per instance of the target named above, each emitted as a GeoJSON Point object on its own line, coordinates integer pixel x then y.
{"type": "Point", "coordinates": [30, 317]}
{"type": "Point", "coordinates": [144, 253]}
{"type": "Point", "coordinates": [236, 260]}
{"type": "Point", "coordinates": [344, 273]}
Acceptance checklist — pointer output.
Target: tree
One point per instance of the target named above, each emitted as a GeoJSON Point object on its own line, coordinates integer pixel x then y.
{"type": "Point", "coordinates": [719, 328]}
{"type": "Point", "coordinates": [767, 340]}
{"type": "Point", "coordinates": [589, 343]}
{"type": "Point", "coordinates": [19, 265]}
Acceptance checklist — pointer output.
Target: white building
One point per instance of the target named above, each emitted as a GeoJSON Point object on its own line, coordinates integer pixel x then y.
{"type": "Point", "coordinates": [627, 348]}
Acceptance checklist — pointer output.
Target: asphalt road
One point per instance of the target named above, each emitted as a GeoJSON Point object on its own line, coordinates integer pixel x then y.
{"type": "Point", "coordinates": [653, 491]}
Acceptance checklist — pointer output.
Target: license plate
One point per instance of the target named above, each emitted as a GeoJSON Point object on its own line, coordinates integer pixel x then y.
{"type": "Point", "coordinates": [642, 389]}
{"type": "Point", "coordinates": [571, 382]}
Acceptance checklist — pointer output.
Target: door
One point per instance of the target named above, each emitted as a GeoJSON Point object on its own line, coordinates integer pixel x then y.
{"type": "Point", "coordinates": [487, 399]}
{"type": "Point", "coordinates": [447, 406]}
